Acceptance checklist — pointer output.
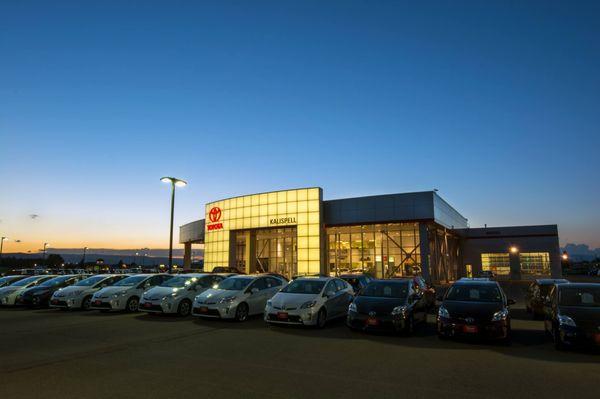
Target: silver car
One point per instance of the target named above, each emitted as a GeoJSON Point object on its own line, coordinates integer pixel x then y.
{"type": "Point", "coordinates": [126, 293]}
{"type": "Point", "coordinates": [310, 301]}
{"type": "Point", "coordinates": [237, 297]}
{"type": "Point", "coordinates": [8, 294]}
{"type": "Point", "coordinates": [177, 294]}
{"type": "Point", "coordinates": [79, 295]}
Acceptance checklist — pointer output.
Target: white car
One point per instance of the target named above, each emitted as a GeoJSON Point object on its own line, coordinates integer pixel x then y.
{"type": "Point", "coordinates": [237, 297]}
{"type": "Point", "coordinates": [79, 295]}
{"type": "Point", "coordinates": [9, 294]}
{"type": "Point", "coordinates": [125, 294]}
{"type": "Point", "coordinates": [310, 301]}
{"type": "Point", "coordinates": [177, 294]}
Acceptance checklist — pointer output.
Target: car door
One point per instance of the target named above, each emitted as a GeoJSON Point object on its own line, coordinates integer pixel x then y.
{"type": "Point", "coordinates": [257, 300]}
{"type": "Point", "coordinates": [548, 309]}
{"type": "Point", "coordinates": [343, 296]}
{"type": "Point", "coordinates": [331, 299]}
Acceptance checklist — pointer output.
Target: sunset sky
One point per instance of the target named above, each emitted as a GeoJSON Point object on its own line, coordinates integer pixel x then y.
{"type": "Point", "coordinates": [498, 107]}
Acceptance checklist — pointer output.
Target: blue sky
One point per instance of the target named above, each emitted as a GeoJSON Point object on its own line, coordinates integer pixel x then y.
{"type": "Point", "coordinates": [496, 104]}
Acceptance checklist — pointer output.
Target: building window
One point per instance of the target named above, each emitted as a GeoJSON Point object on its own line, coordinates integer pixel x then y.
{"type": "Point", "coordinates": [497, 263]}
{"type": "Point", "coordinates": [535, 263]}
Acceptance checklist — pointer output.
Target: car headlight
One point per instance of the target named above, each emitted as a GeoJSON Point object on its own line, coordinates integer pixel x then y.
{"type": "Point", "coordinates": [228, 299]}
{"type": "Point", "coordinates": [352, 307]}
{"type": "Point", "coordinates": [308, 305]}
{"type": "Point", "coordinates": [500, 315]}
{"type": "Point", "coordinates": [566, 321]}
{"type": "Point", "coordinates": [399, 311]}
{"type": "Point", "coordinates": [443, 313]}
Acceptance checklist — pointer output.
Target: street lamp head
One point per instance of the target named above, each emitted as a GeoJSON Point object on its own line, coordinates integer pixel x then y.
{"type": "Point", "coordinates": [173, 180]}
{"type": "Point", "coordinates": [514, 249]}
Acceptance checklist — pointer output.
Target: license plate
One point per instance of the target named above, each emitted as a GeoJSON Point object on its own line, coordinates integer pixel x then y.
{"type": "Point", "coordinates": [203, 309]}
{"type": "Point", "coordinates": [98, 302]}
{"type": "Point", "coordinates": [372, 322]}
{"type": "Point", "coordinates": [282, 315]}
{"type": "Point", "coordinates": [470, 329]}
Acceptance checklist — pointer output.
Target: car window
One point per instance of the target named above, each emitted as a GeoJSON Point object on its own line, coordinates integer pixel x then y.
{"type": "Point", "coordinates": [273, 282]}
{"type": "Point", "coordinates": [260, 283]}
{"type": "Point", "coordinates": [330, 287]}
{"type": "Point", "coordinates": [340, 285]}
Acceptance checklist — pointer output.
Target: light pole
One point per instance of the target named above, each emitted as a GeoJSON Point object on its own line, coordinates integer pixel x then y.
{"type": "Point", "coordinates": [179, 183]}
{"type": "Point", "coordinates": [46, 245]}
{"type": "Point", "coordinates": [83, 260]}
{"type": "Point", "coordinates": [1, 246]}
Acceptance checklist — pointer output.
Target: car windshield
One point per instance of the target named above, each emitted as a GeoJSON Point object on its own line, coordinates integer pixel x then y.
{"type": "Point", "coordinates": [234, 283]}
{"type": "Point", "coordinates": [55, 281]}
{"type": "Point", "coordinates": [386, 289]}
{"type": "Point", "coordinates": [179, 282]}
{"type": "Point", "coordinates": [304, 287]}
{"type": "Point", "coordinates": [130, 281]}
{"type": "Point", "coordinates": [88, 282]}
{"type": "Point", "coordinates": [580, 296]}
{"type": "Point", "coordinates": [474, 293]}
{"type": "Point", "coordinates": [25, 281]}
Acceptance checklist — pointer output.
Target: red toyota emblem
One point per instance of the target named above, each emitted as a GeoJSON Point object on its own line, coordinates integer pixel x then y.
{"type": "Point", "coordinates": [215, 214]}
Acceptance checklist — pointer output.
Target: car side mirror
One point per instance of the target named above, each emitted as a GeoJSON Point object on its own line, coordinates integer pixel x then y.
{"type": "Point", "coordinates": [254, 290]}
{"type": "Point", "coordinates": [510, 302]}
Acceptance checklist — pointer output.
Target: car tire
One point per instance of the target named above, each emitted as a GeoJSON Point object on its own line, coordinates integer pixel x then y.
{"type": "Point", "coordinates": [321, 318]}
{"type": "Point", "coordinates": [86, 303]}
{"type": "Point", "coordinates": [185, 308]}
{"type": "Point", "coordinates": [132, 305]}
{"type": "Point", "coordinates": [241, 312]}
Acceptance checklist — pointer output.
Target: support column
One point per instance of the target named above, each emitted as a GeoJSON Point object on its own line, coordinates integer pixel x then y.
{"type": "Point", "coordinates": [187, 255]}
{"type": "Point", "coordinates": [515, 266]}
{"type": "Point", "coordinates": [424, 247]}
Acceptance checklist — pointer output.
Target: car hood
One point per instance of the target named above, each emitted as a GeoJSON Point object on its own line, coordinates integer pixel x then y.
{"type": "Point", "coordinates": [587, 318]}
{"type": "Point", "coordinates": [108, 291]}
{"type": "Point", "coordinates": [365, 304]}
{"type": "Point", "coordinates": [477, 310]}
{"type": "Point", "coordinates": [38, 291]}
{"type": "Point", "coordinates": [72, 288]}
{"type": "Point", "coordinates": [159, 292]}
{"type": "Point", "coordinates": [214, 295]}
{"type": "Point", "coordinates": [284, 300]}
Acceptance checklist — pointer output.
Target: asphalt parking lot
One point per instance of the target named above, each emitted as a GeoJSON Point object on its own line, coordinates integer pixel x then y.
{"type": "Point", "coordinates": [52, 353]}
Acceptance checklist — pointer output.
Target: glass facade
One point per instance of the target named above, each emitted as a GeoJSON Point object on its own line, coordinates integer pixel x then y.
{"type": "Point", "coordinates": [535, 263]}
{"type": "Point", "coordinates": [498, 263]}
{"type": "Point", "coordinates": [383, 250]}
{"type": "Point", "coordinates": [299, 208]}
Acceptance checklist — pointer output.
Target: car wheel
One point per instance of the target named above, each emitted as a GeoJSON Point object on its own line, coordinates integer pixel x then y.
{"type": "Point", "coordinates": [86, 303]}
{"type": "Point", "coordinates": [185, 308]}
{"type": "Point", "coordinates": [132, 305]}
{"type": "Point", "coordinates": [241, 313]}
{"type": "Point", "coordinates": [321, 318]}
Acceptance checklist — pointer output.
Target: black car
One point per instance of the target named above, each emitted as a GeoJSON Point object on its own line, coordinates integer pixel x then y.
{"type": "Point", "coordinates": [537, 293]}
{"type": "Point", "coordinates": [357, 281]}
{"type": "Point", "coordinates": [572, 314]}
{"type": "Point", "coordinates": [8, 280]}
{"type": "Point", "coordinates": [475, 308]}
{"type": "Point", "coordinates": [387, 305]}
{"type": "Point", "coordinates": [39, 296]}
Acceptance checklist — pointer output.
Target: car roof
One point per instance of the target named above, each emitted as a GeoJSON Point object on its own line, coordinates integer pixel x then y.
{"type": "Point", "coordinates": [475, 281]}
{"type": "Point", "coordinates": [314, 278]}
{"type": "Point", "coordinates": [543, 281]}
{"type": "Point", "coordinates": [579, 285]}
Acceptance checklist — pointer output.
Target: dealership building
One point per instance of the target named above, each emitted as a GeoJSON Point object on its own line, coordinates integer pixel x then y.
{"type": "Point", "coordinates": [296, 232]}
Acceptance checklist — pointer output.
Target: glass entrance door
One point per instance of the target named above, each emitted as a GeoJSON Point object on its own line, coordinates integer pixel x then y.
{"type": "Point", "coordinates": [274, 250]}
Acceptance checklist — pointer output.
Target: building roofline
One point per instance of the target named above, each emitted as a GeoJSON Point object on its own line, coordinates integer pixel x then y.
{"type": "Point", "coordinates": [264, 192]}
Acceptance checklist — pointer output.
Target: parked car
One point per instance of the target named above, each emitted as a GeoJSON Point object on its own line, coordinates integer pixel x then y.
{"type": "Point", "coordinates": [8, 280]}
{"type": "Point", "coordinates": [39, 296]}
{"type": "Point", "coordinates": [573, 314]}
{"type": "Point", "coordinates": [309, 301]}
{"type": "Point", "coordinates": [393, 305]}
{"type": "Point", "coordinates": [8, 294]}
{"type": "Point", "coordinates": [177, 294]}
{"type": "Point", "coordinates": [357, 281]}
{"type": "Point", "coordinates": [125, 294]}
{"type": "Point", "coordinates": [419, 285]}
{"type": "Point", "coordinates": [237, 297]}
{"type": "Point", "coordinates": [79, 295]}
{"type": "Point", "coordinates": [537, 294]}
{"type": "Point", "coordinates": [475, 308]}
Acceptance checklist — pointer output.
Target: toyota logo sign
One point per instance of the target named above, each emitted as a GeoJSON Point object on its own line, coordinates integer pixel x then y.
{"type": "Point", "coordinates": [215, 214]}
